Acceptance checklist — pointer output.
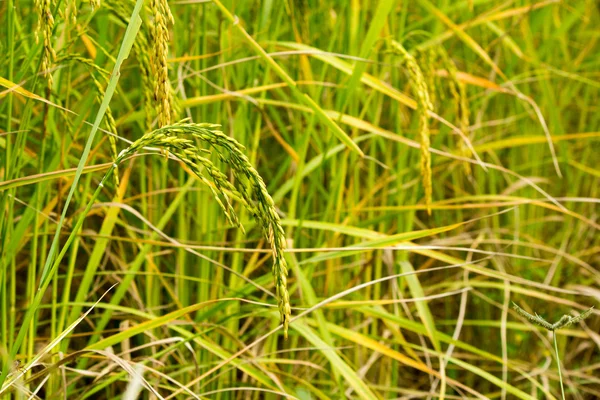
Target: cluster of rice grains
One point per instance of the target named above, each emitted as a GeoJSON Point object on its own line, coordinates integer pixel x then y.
{"type": "Point", "coordinates": [179, 140]}
{"type": "Point", "coordinates": [161, 14]}
{"type": "Point", "coordinates": [423, 76]}
{"type": "Point", "coordinates": [140, 47]}
{"type": "Point", "coordinates": [439, 56]}
{"type": "Point", "coordinates": [43, 32]}
{"type": "Point", "coordinates": [424, 107]}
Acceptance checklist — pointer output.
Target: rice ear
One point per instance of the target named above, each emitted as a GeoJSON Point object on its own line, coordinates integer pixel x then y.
{"type": "Point", "coordinates": [163, 93]}
{"type": "Point", "coordinates": [424, 106]}
{"type": "Point", "coordinates": [250, 188]}
{"type": "Point", "coordinates": [461, 102]}
{"type": "Point", "coordinates": [44, 29]}
{"type": "Point", "coordinates": [140, 47]}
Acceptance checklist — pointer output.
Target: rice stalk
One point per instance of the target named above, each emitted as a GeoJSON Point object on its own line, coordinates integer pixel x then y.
{"type": "Point", "coordinates": [459, 94]}
{"type": "Point", "coordinates": [251, 188]}
{"type": "Point", "coordinates": [111, 125]}
{"type": "Point", "coordinates": [424, 106]}
{"type": "Point", "coordinates": [44, 29]}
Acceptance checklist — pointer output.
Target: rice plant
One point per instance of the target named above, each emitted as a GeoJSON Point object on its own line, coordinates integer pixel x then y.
{"type": "Point", "coordinates": [300, 199]}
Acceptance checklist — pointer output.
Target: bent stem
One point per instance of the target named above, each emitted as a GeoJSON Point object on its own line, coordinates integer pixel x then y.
{"type": "Point", "coordinates": [562, 389]}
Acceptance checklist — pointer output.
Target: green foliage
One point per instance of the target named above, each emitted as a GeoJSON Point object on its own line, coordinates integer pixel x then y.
{"type": "Point", "coordinates": [419, 167]}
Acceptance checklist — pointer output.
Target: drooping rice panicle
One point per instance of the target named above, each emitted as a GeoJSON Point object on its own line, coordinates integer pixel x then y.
{"type": "Point", "coordinates": [250, 188]}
